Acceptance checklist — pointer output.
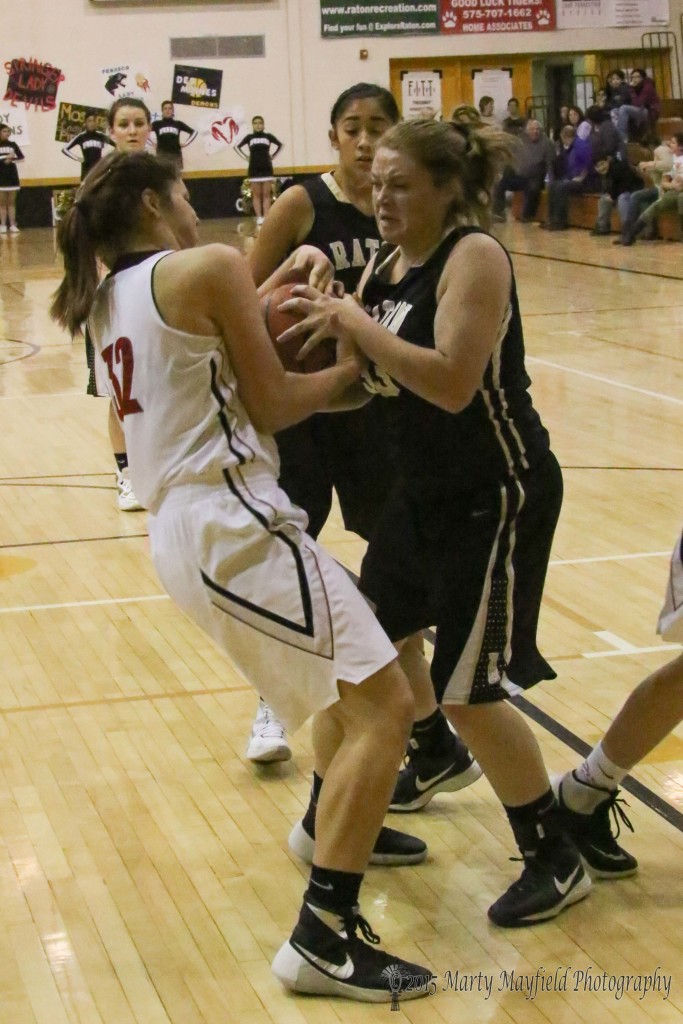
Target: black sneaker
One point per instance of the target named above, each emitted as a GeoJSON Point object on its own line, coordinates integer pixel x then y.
{"type": "Point", "coordinates": [317, 960]}
{"type": "Point", "coordinates": [421, 778]}
{"type": "Point", "coordinates": [392, 848]}
{"type": "Point", "coordinates": [600, 852]}
{"type": "Point", "coordinates": [553, 878]}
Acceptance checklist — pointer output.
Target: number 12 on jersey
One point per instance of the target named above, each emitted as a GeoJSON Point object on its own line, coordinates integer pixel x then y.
{"type": "Point", "coordinates": [119, 360]}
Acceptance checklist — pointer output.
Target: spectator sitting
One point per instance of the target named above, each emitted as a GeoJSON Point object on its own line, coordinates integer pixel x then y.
{"type": "Point", "coordinates": [604, 138]}
{"type": "Point", "coordinates": [662, 163]}
{"type": "Point", "coordinates": [642, 108]}
{"type": "Point", "coordinates": [561, 122]}
{"type": "Point", "coordinates": [578, 122]}
{"type": "Point", "coordinates": [515, 121]}
{"type": "Point", "coordinates": [532, 161]}
{"type": "Point", "coordinates": [671, 197]}
{"type": "Point", "coordinates": [601, 99]}
{"type": "Point", "coordinates": [618, 90]}
{"type": "Point", "coordinates": [573, 174]}
{"type": "Point", "coordinates": [619, 180]}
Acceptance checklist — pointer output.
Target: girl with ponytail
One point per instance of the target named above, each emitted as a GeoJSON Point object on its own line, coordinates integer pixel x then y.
{"type": "Point", "coordinates": [464, 540]}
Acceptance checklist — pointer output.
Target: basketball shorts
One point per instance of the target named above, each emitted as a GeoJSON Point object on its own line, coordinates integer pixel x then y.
{"type": "Point", "coordinates": [670, 625]}
{"type": "Point", "coordinates": [236, 560]}
{"type": "Point", "coordinates": [347, 451]}
{"type": "Point", "coordinates": [473, 565]}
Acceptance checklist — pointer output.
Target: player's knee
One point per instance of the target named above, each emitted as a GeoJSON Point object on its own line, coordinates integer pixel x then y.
{"type": "Point", "coordinates": [395, 703]}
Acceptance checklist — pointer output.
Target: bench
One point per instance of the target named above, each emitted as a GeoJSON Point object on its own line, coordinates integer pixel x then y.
{"type": "Point", "coordinates": [583, 213]}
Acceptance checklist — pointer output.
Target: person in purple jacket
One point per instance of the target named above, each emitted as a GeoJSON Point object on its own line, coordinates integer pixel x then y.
{"type": "Point", "coordinates": [574, 172]}
{"type": "Point", "coordinates": [643, 109]}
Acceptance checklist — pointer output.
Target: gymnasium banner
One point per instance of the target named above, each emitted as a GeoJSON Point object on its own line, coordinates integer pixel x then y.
{"type": "Point", "coordinates": [197, 87]}
{"type": "Point", "coordinates": [32, 83]}
{"type": "Point", "coordinates": [219, 130]}
{"type": "Point", "coordinates": [122, 80]}
{"type": "Point", "coordinates": [421, 94]}
{"type": "Point", "coordinates": [16, 120]}
{"type": "Point", "coordinates": [651, 14]}
{"type": "Point", "coordinates": [478, 16]}
{"type": "Point", "coordinates": [368, 18]}
{"type": "Point", "coordinates": [71, 121]}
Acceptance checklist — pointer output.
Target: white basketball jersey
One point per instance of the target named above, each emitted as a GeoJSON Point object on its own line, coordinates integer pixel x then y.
{"type": "Point", "coordinates": [175, 393]}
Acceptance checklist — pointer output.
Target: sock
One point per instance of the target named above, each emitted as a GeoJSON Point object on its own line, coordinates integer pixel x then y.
{"type": "Point", "coordinates": [334, 891]}
{"type": "Point", "coordinates": [308, 820]}
{"type": "Point", "coordinates": [431, 736]}
{"type": "Point", "coordinates": [592, 782]}
{"type": "Point", "coordinates": [532, 821]}
{"type": "Point", "coordinates": [121, 461]}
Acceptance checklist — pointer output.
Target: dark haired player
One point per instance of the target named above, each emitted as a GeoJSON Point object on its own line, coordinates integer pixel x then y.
{"type": "Point", "coordinates": [260, 172]}
{"type": "Point", "coordinates": [91, 143]}
{"type": "Point", "coordinates": [168, 130]}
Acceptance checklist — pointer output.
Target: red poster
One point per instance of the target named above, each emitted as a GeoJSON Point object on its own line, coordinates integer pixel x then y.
{"type": "Point", "coordinates": [479, 16]}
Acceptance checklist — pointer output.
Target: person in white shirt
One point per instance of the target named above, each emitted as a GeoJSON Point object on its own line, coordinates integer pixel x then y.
{"type": "Point", "coordinates": [199, 390]}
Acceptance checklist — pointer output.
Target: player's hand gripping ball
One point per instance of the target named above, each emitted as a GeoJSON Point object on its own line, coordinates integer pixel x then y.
{"type": "Point", "coordinates": [278, 321]}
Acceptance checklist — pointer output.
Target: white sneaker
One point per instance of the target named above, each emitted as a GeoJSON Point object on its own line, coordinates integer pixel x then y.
{"type": "Point", "coordinates": [3, 229]}
{"type": "Point", "coordinates": [125, 497]}
{"type": "Point", "coordinates": [259, 221]}
{"type": "Point", "coordinates": [13, 229]}
{"type": "Point", "coordinates": [268, 742]}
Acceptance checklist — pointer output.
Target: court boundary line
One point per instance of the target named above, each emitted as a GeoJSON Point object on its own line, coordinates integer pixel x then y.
{"type": "Point", "coordinates": [605, 380]}
{"type": "Point", "coordinates": [598, 266]}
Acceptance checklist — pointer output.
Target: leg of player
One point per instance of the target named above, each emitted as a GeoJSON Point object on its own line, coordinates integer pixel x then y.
{"type": "Point", "coordinates": [553, 875]}
{"type": "Point", "coordinates": [588, 794]}
{"type": "Point", "coordinates": [12, 212]}
{"type": "Point", "coordinates": [4, 209]}
{"type": "Point", "coordinates": [257, 200]}
{"type": "Point", "coordinates": [267, 196]}
{"type": "Point", "coordinates": [391, 848]}
{"type": "Point", "coordinates": [437, 761]}
{"type": "Point", "coordinates": [268, 740]}
{"type": "Point", "coordinates": [324, 955]}
{"type": "Point", "coordinates": [126, 500]}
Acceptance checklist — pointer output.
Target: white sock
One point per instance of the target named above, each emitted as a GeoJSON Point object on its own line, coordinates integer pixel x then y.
{"type": "Point", "coordinates": [592, 782]}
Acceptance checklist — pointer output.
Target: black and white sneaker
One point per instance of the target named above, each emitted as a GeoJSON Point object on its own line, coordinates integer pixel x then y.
{"type": "Point", "coordinates": [592, 832]}
{"type": "Point", "coordinates": [422, 778]}
{"type": "Point", "coordinates": [553, 878]}
{"type": "Point", "coordinates": [392, 848]}
{"type": "Point", "coordinates": [320, 960]}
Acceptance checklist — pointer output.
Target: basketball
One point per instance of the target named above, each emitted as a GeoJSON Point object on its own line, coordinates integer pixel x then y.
{"type": "Point", "coordinates": [277, 321]}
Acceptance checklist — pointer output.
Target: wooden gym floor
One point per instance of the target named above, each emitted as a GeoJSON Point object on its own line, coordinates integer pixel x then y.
{"type": "Point", "coordinates": [144, 871]}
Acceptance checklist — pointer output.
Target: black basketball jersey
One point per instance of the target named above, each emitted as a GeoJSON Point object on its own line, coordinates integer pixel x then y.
{"type": "Point", "coordinates": [9, 176]}
{"type": "Point", "coordinates": [260, 163]}
{"type": "Point", "coordinates": [91, 145]}
{"type": "Point", "coordinates": [167, 131]}
{"type": "Point", "coordinates": [347, 236]}
{"type": "Point", "coordinates": [498, 435]}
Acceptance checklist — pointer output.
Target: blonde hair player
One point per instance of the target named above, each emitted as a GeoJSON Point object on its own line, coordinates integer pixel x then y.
{"type": "Point", "coordinates": [464, 540]}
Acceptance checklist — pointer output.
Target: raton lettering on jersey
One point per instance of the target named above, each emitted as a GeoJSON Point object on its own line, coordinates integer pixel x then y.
{"type": "Point", "coordinates": [391, 315]}
{"type": "Point", "coordinates": [340, 230]}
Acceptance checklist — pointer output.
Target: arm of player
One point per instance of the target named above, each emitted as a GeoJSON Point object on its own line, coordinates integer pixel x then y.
{"type": "Point", "coordinates": [238, 148]}
{"type": "Point", "coordinates": [66, 150]}
{"type": "Point", "coordinates": [191, 134]}
{"type": "Point", "coordinates": [307, 265]}
{"type": "Point", "coordinates": [289, 221]}
{"type": "Point", "coordinates": [208, 290]}
{"type": "Point", "coordinates": [466, 327]}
